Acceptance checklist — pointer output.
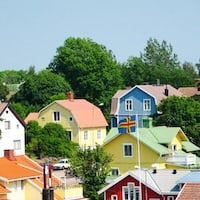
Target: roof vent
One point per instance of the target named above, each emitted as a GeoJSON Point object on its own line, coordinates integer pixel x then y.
{"type": "Point", "coordinates": [174, 171]}
{"type": "Point", "coordinates": [154, 171]}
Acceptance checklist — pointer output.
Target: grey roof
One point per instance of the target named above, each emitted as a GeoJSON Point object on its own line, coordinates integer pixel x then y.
{"type": "Point", "coordinates": [162, 181]}
{"type": "Point", "coordinates": [192, 177]}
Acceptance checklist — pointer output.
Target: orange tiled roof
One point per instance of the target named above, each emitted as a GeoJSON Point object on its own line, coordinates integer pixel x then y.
{"type": "Point", "coordinates": [189, 91]}
{"type": "Point", "coordinates": [3, 190]}
{"type": "Point", "coordinates": [190, 191]}
{"type": "Point", "coordinates": [31, 116]}
{"type": "Point", "coordinates": [85, 113]}
{"type": "Point", "coordinates": [2, 106]}
{"type": "Point", "coordinates": [11, 170]}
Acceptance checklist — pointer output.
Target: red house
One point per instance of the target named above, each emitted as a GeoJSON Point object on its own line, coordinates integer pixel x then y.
{"type": "Point", "coordinates": [144, 184]}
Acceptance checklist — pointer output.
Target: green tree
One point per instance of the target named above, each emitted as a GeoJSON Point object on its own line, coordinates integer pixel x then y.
{"type": "Point", "coordinates": [3, 92]}
{"type": "Point", "coordinates": [50, 141]}
{"type": "Point", "coordinates": [134, 72]}
{"type": "Point", "coordinates": [12, 76]}
{"type": "Point", "coordinates": [92, 167]}
{"type": "Point", "coordinates": [181, 112]}
{"type": "Point", "coordinates": [38, 88]}
{"type": "Point", "coordinates": [162, 63]}
{"type": "Point", "coordinates": [90, 68]}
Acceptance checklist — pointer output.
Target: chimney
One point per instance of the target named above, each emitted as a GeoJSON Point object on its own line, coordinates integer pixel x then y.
{"type": "Point", "coordinates": [70, 96]}
{"type": "Point", "coordinates": [166, 91]}
{"type": "Point", "coordinates": [9, 154]}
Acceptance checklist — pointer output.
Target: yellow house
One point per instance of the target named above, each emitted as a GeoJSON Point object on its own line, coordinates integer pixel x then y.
{"type": "Point", "coordinates": [159, 147]}
{"type": "Point", "coordinates": [83, 120]}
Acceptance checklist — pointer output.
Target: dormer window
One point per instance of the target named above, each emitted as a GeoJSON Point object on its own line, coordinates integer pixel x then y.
{"type": "Point", "coordinates": [129, 105]}
{"type": "Point", "coordinates": [174, 147]}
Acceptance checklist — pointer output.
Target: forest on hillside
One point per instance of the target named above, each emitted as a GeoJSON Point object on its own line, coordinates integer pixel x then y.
{"type": "Point", "coordinates": [92, 72]}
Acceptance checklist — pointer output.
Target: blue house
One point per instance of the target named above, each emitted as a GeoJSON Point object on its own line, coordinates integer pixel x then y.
{"type": "Point", "coordinates": [141, 100]}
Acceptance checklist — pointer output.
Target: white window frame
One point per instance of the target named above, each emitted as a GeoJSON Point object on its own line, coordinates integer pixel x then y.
{"type": "Point", "coordinates": [85, 136]}
{"type": "Point", "coordinates": [116, 170]}
{"type": "Point", "coordinates": [125, 191]}
{"type": "Point", "coordinates": [99, 134]}
{"type": "Point", "coordinates": [7, 124]}
{"type": "Point", "coordinates": [17, 144]}
{"type": "Point", "coordinates": [170, 198]}
{"type": "Point", "coordinates": [174, 147]}
{"type": "Point", "coordinates": [114, 197]}
{"type": "Point", "coordinates": [146, 104]}
{"type": "Point", "coordinates": [56, 116]}
{"type": "Point", "coordinates": [124, 150]}
{"type": "Point", "coordinates": [70, 119]}
{"type": "Point", "coordinates": [129, 105]}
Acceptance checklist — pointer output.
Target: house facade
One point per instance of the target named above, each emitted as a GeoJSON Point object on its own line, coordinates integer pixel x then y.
{"type": "Point", "coordinates": [84, 121]}
{"type": "Point", "coordinates": [141, 100]}
{"type": "Point", "coordinates": [160, 147]}
{"type": "Point", "coordinates": [12, 130]}
{"type": "Point", "coordinates": [21, 177]}
{"type": "Point", "coordinates": [143, 184]}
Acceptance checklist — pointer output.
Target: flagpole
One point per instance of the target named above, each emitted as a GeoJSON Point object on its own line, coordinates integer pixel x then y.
{"type": "Point", "coordinates": [139, 162]}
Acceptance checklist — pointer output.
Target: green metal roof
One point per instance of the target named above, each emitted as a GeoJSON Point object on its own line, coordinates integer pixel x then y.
{"type": "Point", "coordinates": [155, 137]}
{"type": "Point", "coordinates": [189, 146]}
{"type": "Point", "coordinates": [163, 134]}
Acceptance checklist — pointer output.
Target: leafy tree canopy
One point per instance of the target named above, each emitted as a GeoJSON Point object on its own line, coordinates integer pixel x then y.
{"type": "Point", "coordinates": [90, 68]}
{"type": "Point", "coordinates": [92, 167]}
{"type": "Point", "coordinates": [181, 112]}
{"type": "Point", "coordinates": [38, 88]}
{"type": "Point", "coordinates": [3, 92]}
{"type": "Point", "coordinates": [50, 141]}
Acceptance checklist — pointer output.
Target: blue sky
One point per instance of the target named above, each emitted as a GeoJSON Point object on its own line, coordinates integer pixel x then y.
{"type": "Point", "coordinates": [31, 31]}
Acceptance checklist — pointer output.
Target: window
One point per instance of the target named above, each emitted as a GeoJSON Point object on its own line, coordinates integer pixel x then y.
{"type": "Point", "coordinates": [127, 148]}
{"type": "Point", "coordinates": [114, 197]}
{"type": "Point", "coordinates": [170, 198]}
{"type": "Point", "coordinates": [131, 192]}
{"type": "Point", "coordinates": [56, 116]}
{"type": "Point", "coordinates": [17, 144]}
{"type": "Point", "coordinates": [7, 124]}
{"type": "Point", "coordinates": [15, 185]}
{"type": "Point", "coordinates": [174, 147]}
{"type": "Point", "coordinates": [125, 193]}
{"type": "Point", "coordinates": [115, 172]}
{"type": "Point", "coordinates": [129, 105]}
{"type": "Point", "coordinates": [147, 104]}
{"type": "Point", "coordinates": [85, 135]}
{"type": "Point", "coordinates": [99, 134]}
{"type": "Point", "coordinates": [70, 119]}
{"type": "Point", "coordinates": [22, 184]}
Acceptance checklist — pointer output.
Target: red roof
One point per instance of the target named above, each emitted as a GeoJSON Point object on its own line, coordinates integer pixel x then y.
{"type": "Point", "coordinates": [31, 116]}
{"type": "Point", "coordinates": [190, 191]}
{"type": "Point", "coordinates": [85, 113]}
{"type": "Point", "coordinates": [189, 91]}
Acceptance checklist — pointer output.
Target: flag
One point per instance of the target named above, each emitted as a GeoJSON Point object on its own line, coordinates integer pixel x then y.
{"type": "Point", "coordinates": [127, 125]}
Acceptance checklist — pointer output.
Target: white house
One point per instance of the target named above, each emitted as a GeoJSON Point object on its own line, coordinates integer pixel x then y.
{"type": "Point", "coordinates": [12, 130]}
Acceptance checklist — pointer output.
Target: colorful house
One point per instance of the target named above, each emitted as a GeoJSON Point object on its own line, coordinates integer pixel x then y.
{"type": "Point", "coordinates": [160, 147]}
{"type": "Point", "coordinates": [191, 91]}
{"type": "Point", "coordinates": [143, 184]}
{"type": "Point", "coordinates": [84, 121]}
{"type": "Point", "coordinates": [21, 177]}
{"type": "Point", "coordinates": [12, 130]}
{"type": "Point", "coordinates": [141, 100]}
